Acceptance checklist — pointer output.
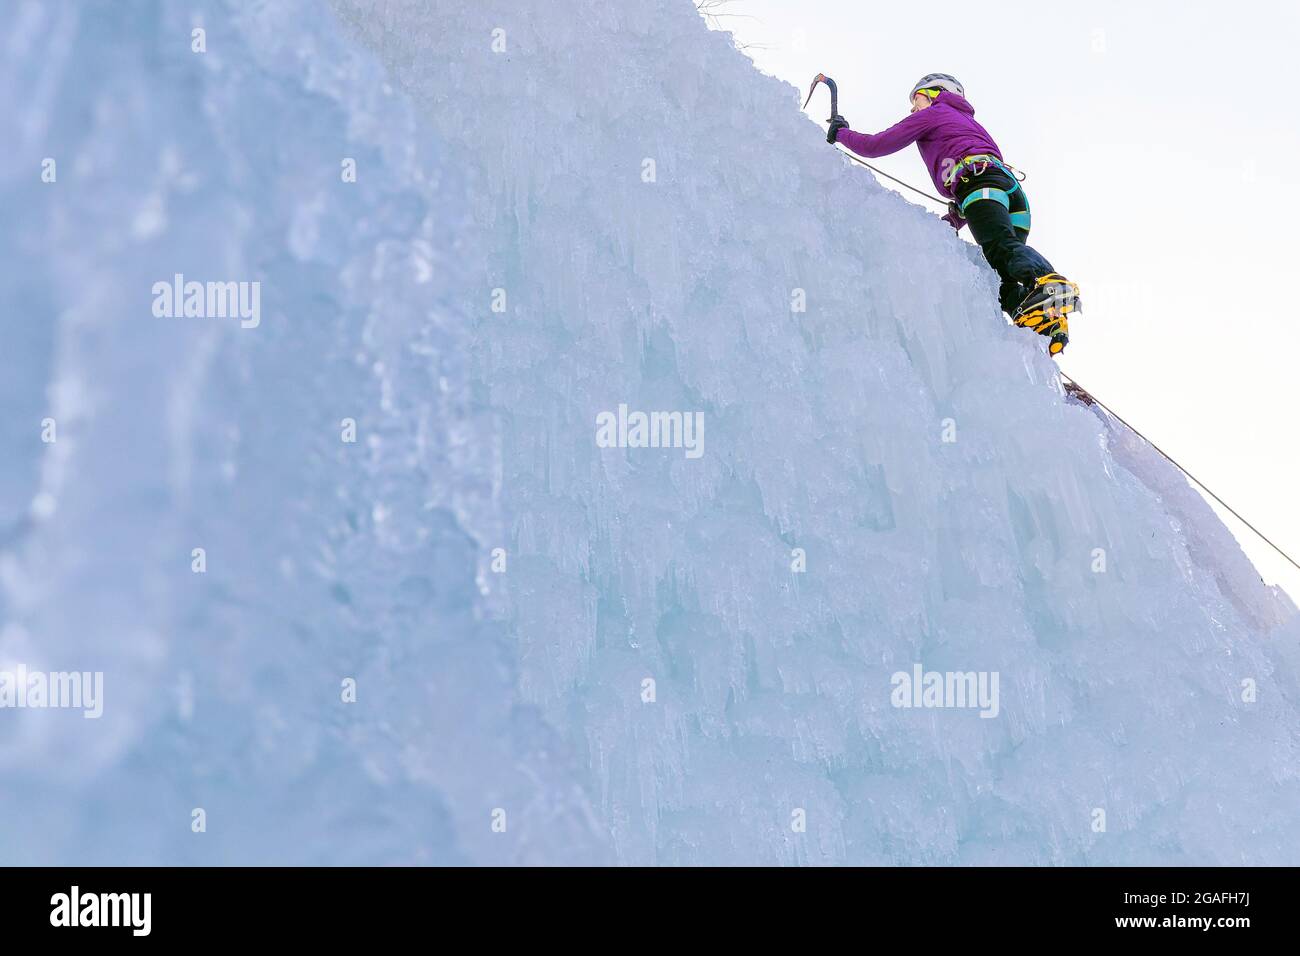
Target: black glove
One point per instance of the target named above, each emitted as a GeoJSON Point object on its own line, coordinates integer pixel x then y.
{"type": "Point", "coordinates": [838, 123]}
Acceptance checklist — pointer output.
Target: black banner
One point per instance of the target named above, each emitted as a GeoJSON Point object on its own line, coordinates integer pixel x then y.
{"type": "Point", "coordinates": [333, 906]}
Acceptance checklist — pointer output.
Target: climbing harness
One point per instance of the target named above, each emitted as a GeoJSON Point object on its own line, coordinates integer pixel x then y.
{"type": "Point", "coordinates": [978, 165]}
{"type": "Point", "coordinates": [980, 162]}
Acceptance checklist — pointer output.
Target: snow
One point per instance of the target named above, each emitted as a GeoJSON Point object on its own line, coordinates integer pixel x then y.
{"type": "Point", "coordinates": [608, 648]}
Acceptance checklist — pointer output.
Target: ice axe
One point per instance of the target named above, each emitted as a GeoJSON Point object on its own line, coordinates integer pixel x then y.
{"type": "Point", "coordinates": [835, 111]}
{"type": "Point", "coordinates": [830, 85]}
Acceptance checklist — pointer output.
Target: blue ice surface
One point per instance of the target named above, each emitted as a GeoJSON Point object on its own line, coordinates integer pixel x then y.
{"type": "Point", "coordinates": [565, 652]}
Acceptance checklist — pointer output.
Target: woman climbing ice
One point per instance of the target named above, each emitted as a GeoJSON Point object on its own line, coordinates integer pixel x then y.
{"type": "Point", "coordinates": [967, 168]}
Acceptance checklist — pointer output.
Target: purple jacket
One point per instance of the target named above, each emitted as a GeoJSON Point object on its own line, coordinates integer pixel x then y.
{"type": "Point", "coordinates": [945, 132]}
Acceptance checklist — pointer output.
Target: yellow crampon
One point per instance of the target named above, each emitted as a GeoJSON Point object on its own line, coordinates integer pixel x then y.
{"type": "Point", "coordinates": [1057, 329]}
{"type": "Point", "coordinates": [1060, 340]}
{"type": "Point", "coordinates": [1040, 320]}
{"type": "Point", "coordinates": [1054, 297]}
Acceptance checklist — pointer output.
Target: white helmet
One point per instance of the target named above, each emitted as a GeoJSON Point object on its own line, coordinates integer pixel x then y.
{"type": "Point", "coordinates": [937, 81]}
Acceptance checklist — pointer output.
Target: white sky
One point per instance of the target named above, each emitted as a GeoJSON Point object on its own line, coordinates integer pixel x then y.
{"type": "Point", "coordinates": [1161, 140]}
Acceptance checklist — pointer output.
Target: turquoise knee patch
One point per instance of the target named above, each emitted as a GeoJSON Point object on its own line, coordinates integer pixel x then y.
{"type": "Point", "coordinates": [1020, 220]}
{"type": "Point", "coordinates": [1000, 195]}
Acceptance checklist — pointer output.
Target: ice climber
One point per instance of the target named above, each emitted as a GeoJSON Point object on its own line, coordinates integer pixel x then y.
{"type": "Point", "coordinates": [967, 168]}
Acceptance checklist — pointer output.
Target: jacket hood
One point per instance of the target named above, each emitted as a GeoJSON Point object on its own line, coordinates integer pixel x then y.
{"type": "Point", "coordinates": [957, 102]}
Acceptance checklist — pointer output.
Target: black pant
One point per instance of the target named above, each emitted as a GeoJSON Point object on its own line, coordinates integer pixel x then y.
{"type": "Point", "coordinates": [1004, 245]}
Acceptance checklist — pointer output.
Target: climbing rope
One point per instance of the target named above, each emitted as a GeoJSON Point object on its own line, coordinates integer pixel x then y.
{"type": "Point", "coordinates": [881, 172]}
{"type": "Point", "coordinates": [1192, 477]}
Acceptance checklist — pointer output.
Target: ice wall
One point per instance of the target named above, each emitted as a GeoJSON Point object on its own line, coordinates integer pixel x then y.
{"type": "Point", "coordinates": [560, 209]}
{"type": "Point", "coordinates": [325, 560]}
{"type": "Point", "coordinates": [654, 209]}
